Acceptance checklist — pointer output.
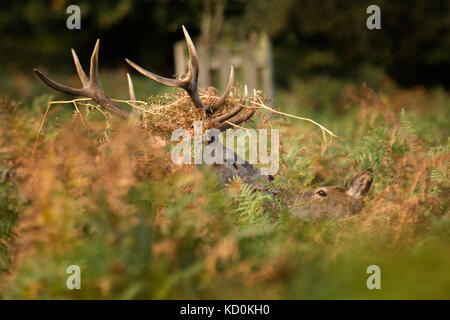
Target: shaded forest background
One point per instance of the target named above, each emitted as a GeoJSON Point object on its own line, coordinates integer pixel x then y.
{"type": "Point", "coordinates": [413, 46]}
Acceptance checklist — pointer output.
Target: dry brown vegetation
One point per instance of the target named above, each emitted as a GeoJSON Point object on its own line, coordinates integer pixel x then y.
{"type": "Point", "coordinates": [141, 227]}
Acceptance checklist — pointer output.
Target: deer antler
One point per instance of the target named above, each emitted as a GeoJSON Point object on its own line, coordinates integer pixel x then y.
{"type": "Point", "coordinates": [91, 87]}
{"type": "Point", "coordinates": [227, 120]}
{"type": "Point", "coordinates": [190, 81]}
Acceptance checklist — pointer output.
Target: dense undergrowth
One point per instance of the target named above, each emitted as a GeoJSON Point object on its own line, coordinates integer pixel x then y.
{"type": "Point", "coordinates": [139, 227]}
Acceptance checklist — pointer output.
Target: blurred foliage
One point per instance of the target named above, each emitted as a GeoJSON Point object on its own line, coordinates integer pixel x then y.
{"type": "Point", "coordinates": [9, 207]}
{"type": "Point", "coordinates": [143, 30]}
{"type": "Point", "coordinates": [140, 228]}
{"type": "Point", "coordinates": [413, 45]}
{"type": "Point", "coordinates": [331, 38]}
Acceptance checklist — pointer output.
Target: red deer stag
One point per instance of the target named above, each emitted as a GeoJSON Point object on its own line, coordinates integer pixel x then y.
{"type": "Point", "coordinates": [330, 201]}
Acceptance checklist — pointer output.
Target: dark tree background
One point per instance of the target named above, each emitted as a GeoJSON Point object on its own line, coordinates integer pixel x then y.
{"type": "Point", "coordinates": [309, 37]}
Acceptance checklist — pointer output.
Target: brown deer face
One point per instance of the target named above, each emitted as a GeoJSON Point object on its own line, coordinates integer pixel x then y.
{"type": "Point", "coordinates": [334, 201]}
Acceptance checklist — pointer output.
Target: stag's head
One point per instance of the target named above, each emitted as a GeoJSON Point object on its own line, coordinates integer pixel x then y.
{"type": "Point", "coordinates": [214, 110]}
{"type": "Point", "coordinates": [334, 201]}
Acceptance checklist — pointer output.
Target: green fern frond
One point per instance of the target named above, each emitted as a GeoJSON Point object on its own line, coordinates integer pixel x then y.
{"type": "Point", "coordinates": [406, 123]}
{"type": "Point", "coordinates": [250, 205]}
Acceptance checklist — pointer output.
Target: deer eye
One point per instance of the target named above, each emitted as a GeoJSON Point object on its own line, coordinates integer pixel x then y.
{"type": "Point", "coordinates": [321, 193]}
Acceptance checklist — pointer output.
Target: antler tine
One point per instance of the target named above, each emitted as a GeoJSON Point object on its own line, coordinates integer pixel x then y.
{"type": "Point", "coordinates": [190, 81]}
{"type": "Point", "coordinates": [57, 86]}
{"type": "Point", "coordinates": [84, 79]}
{"type": "Point", "coordinates": [239, 119]}
{"type": "Point", "coordinates": [131, 91]}
{"type": "Point", "coordinates": [232, 113]}
{"type": "Point", "coordinates": [225, 95]}
{"type": "Point", "coordinates": [94, 77]}
{"type": "Point", "coordinates": [192, 75]}
{"type": "Point", "coordinates": [162, 80]}
{"type": "Point", "coordinates": [131, 88]}
{"type": "Point", "coordinates": [91, 87]}
{"type": "Point", "coordinates": [184, 83]}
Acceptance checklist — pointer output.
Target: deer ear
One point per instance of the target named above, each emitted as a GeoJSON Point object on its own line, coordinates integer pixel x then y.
{"type": "Point", "coordinates": [360, 184]}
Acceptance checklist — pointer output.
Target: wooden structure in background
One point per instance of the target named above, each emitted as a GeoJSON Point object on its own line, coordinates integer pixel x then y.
{"type": "Point", "coordinates": [252, 61]}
